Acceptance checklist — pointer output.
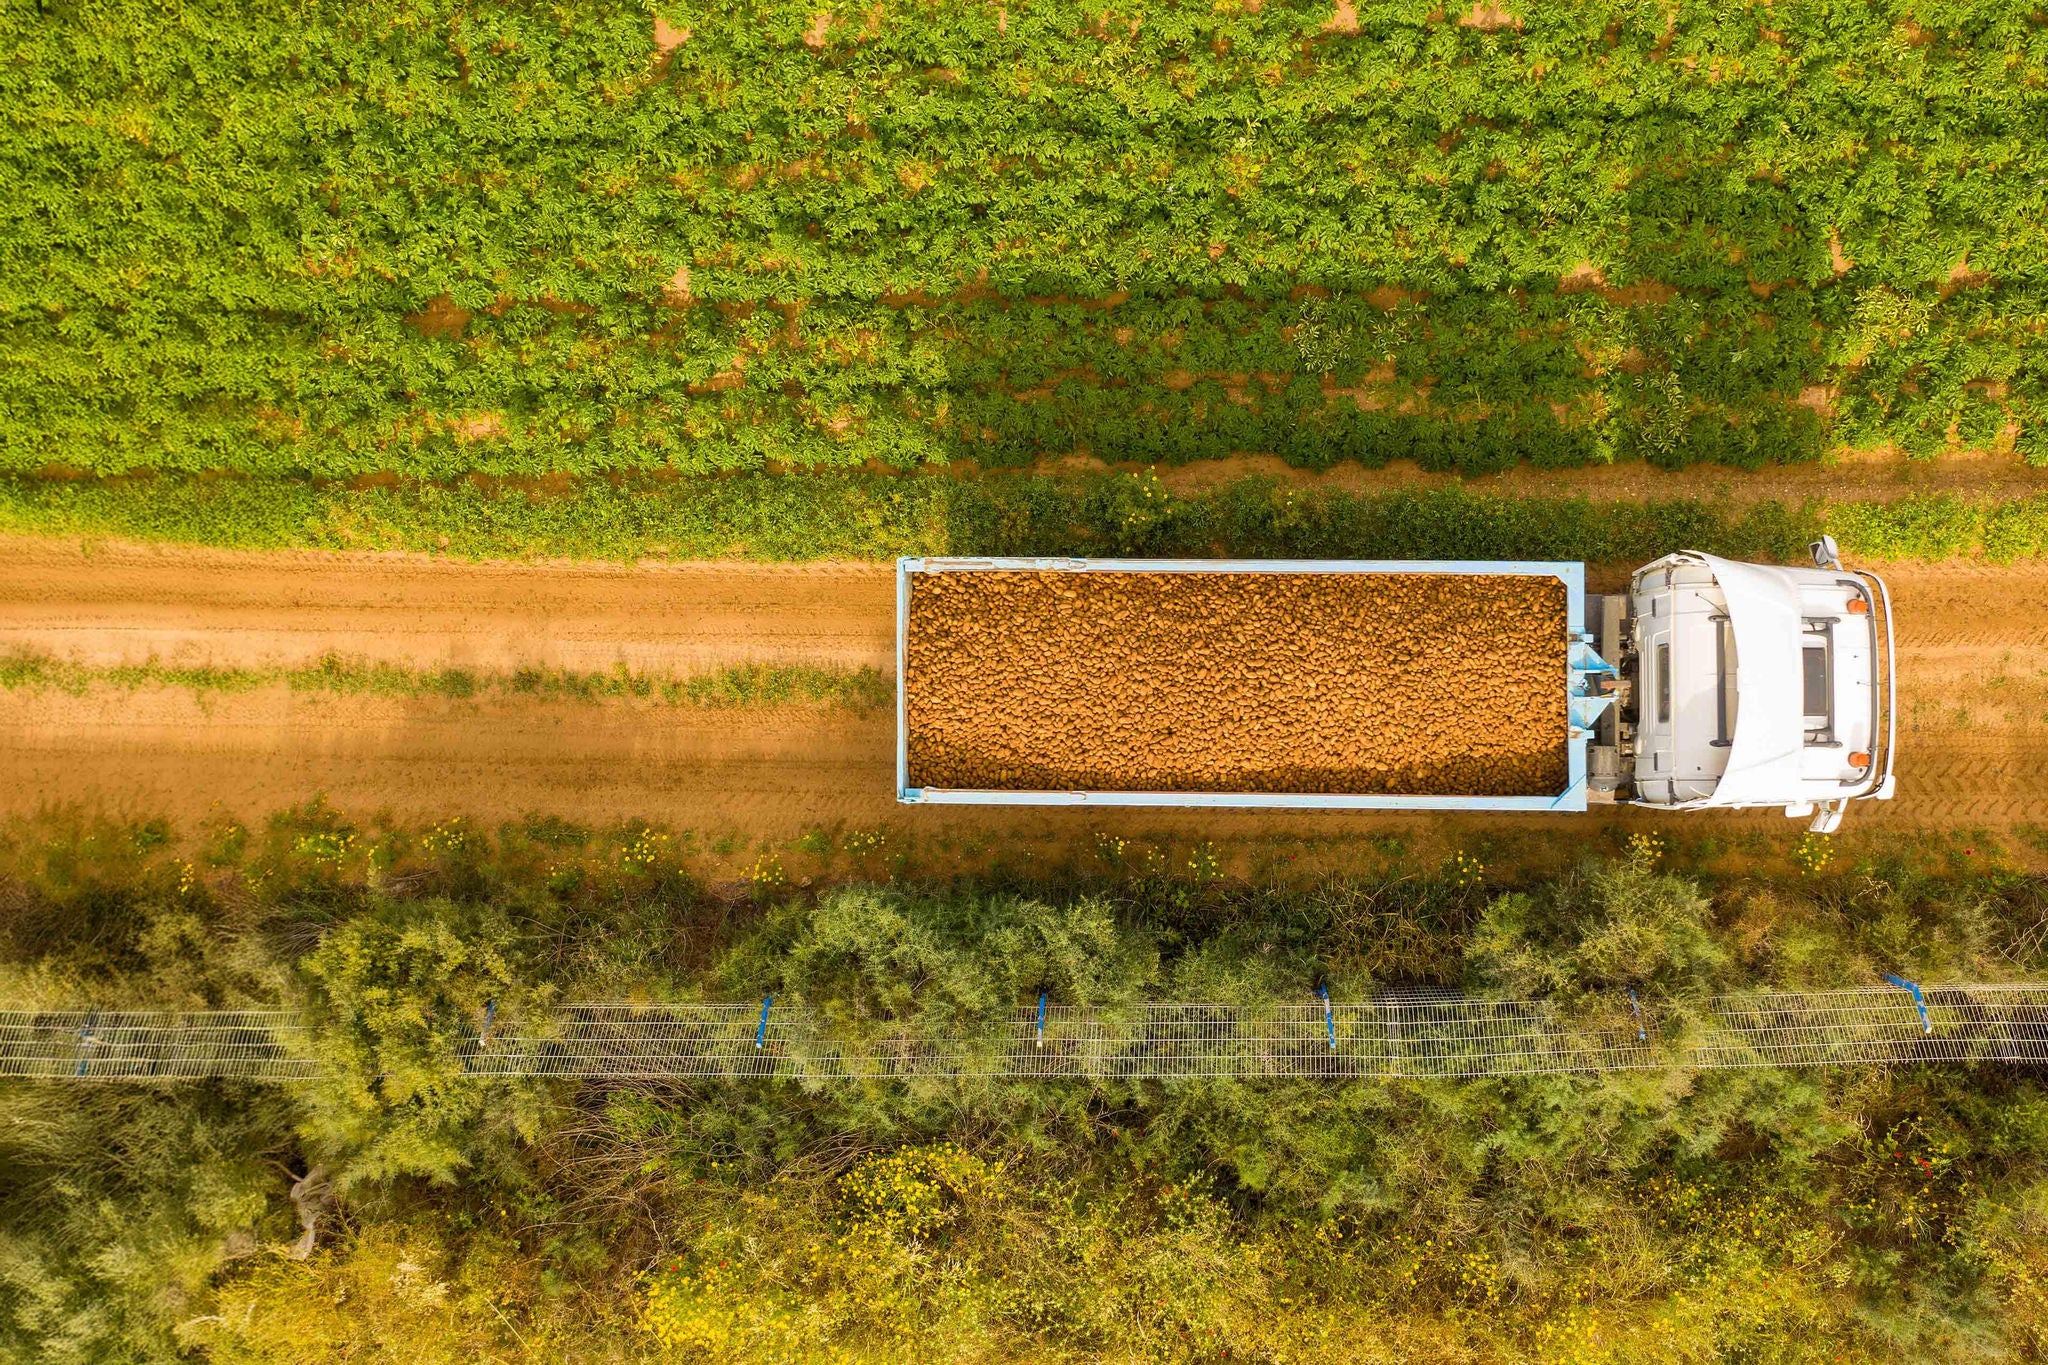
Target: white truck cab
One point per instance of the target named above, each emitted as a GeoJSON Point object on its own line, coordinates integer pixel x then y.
{"type": "Point", "coordinates": [1746, 685]}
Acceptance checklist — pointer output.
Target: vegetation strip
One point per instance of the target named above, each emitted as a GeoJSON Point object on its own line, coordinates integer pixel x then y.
{"type": "Point", "coordinates": [736, 685]}
{"type": "Point", "coordinates": [425, 240]}
{"type": "Point", "coordinates": [868, 516]}
{"type": "Point", "coordinates": [1445, 1037]}
{"type": "Point", "coordinates": [1891, 1214]}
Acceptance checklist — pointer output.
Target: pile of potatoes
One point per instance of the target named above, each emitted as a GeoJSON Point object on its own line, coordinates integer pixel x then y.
{"type": "Point", "coordinates": [1417, 684]}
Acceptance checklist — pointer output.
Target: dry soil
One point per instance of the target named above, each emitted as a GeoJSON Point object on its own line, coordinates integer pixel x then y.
{"type": "Point", "coordinates": [116, 604]}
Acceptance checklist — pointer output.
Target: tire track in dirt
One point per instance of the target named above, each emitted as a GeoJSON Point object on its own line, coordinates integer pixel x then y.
{"type": "Point", "coordinates": [1973, 665]}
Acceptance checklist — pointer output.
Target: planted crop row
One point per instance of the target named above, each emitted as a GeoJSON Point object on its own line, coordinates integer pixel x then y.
{"type": "Point", "coordinates": [429, 239]}
{"type": "Point", "coordinates": [863, 516]}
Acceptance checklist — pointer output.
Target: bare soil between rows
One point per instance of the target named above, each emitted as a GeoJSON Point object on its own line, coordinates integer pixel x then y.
{"type": "Point", "coordinates": [1973, 668]}
{"type": "Point", "coordinates": [1411, 684]}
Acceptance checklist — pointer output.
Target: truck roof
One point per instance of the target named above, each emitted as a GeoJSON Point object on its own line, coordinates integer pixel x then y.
{"type": "Point", "coordinates": [1776, 617]}
{"type": "Point", "coordinates": [1764, 612]}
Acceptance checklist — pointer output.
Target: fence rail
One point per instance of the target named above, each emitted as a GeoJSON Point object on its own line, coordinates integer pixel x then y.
{"type": "Point", "coordinates": [1421, 1035]}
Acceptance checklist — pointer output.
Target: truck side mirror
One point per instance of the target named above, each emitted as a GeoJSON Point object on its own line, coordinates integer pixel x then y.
{"type": "Point", "coordinates": [1825, 553]}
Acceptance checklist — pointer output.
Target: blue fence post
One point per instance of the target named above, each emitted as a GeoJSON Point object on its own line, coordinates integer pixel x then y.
{"type": "Point", "coordinates": [85, 1040]}
{"type": "Point", "coordinates": [1329, 1016]}
{"type": "Point", "coordinates": [761, 1033]}
{"type": "Point", "coordinates": [1041, 1019]}
{"type": "Point", "coordinates": [1919, 1000]}
{"type": "Point", "coordinates": [1637, 1006]}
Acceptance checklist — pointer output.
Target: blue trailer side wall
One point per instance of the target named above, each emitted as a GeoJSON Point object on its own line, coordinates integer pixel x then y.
{"type": "Point", "coordinates": [1581, 665]}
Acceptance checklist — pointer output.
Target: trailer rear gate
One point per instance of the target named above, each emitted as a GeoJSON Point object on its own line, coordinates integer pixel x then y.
{"type": "Point", "coordinates": [1247, 683]}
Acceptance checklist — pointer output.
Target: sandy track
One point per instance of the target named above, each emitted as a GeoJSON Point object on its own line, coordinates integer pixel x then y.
{"type": "Point", "coordinates": [127, 604]}
{"type": "Point", "coordinates": [165, 749]}
{"type": "Point", "coordinates": [1973, 643]}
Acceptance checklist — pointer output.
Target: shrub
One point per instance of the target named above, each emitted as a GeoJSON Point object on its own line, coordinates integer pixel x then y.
{"type": "Point", "coordinates": [399, 1000]}
{"type": "Point", "coordinates": [1601, 928]}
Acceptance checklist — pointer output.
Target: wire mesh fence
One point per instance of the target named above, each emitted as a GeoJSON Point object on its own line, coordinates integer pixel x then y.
{"type": "Point", "coordinates": [1417, 1035]}
{"type": "Point", "coordinates": [133, 1045]}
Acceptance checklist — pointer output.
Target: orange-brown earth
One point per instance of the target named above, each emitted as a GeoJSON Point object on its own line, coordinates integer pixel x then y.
{"type": "Point", "coordinates": [116, 604]}
{"type": "Point", "coordinates": [1973, 666]}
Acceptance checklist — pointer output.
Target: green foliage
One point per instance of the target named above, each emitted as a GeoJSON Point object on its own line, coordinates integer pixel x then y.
{"type": "Point", "coordinates": [866, 952]}
{"type": "Point", "coordinates": [416, 237]}
{"type": "Point", "coordinates": [398, 999]}
{"type": "Point", "coordinates": [734, 685]}
{"type": "Point", "coordinates": [1599, 929]}
{"type": "Point", "coordinates": [862, 516]}
{"type": "Point", "coordinates": [1320, 339]}
{"type": "Point", "coordinates": [113, 923]}
{"type": "Point", "coordinates": [119, 1208]}
{"type": "Point", "coordinates": [1549, 1219]}
{"type": "Point", "coordinates": [1878, 1215]}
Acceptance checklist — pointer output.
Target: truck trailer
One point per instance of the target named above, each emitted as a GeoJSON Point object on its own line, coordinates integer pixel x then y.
{"type": "Point", "coordinates": [1393, 685]}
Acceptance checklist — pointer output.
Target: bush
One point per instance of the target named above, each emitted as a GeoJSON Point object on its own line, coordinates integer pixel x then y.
{"type": "Point", "coordinates": [1883, 1215]}
{"type": "Point", "coordinates": [1600, 928]}
{"type": "Point", "coordinates": [119, 1210]}
{"type": "Point", "coordinates": [399, 1001]}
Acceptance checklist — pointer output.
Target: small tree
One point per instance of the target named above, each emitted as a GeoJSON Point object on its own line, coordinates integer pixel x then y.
{"type": "Point", "coordinates": [397, 1002]}
{"type": "Point", "coordinates": [1599, 929]}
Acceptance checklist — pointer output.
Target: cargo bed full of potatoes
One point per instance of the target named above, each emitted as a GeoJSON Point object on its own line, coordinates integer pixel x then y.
{"type": "Point", "coordinates": [1422, 684]}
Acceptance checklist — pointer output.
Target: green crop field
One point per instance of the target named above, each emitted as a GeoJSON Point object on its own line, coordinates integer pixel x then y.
{"type": "Point", "coordinates": [397, 238]}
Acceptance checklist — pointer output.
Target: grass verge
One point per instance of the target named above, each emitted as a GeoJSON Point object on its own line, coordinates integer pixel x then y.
{"type": "Point", "coordinates": [872, 516]}
{"type": "Point", "coordinates": [738, 685]}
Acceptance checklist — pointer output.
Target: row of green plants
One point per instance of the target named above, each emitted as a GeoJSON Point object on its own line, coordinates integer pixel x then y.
{"type": "Point", "coordinates": [1872, 1215]}
{"type": "Point", "coordinates": [734, 685]}
{"type": "Point", "coordinates": [413, 236]}
{"type": "Point", "coordinates": [878, 516]}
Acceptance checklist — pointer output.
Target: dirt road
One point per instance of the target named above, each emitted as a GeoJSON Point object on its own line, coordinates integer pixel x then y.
{"type": "Point", "coordinates": [1973, 665]}
{"type": "Point", "coordinates": [128, 604]}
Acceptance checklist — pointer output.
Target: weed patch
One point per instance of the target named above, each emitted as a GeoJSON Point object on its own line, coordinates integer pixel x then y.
{"type": "Point", "coordinates": [739, 685]}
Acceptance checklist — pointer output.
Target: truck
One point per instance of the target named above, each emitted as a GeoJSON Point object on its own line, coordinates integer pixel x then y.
{"type": "Point", "coordinates": [1394, 685]}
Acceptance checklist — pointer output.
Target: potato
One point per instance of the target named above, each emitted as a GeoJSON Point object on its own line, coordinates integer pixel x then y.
{"type": "Point", "coordinates": [1418, 684]}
